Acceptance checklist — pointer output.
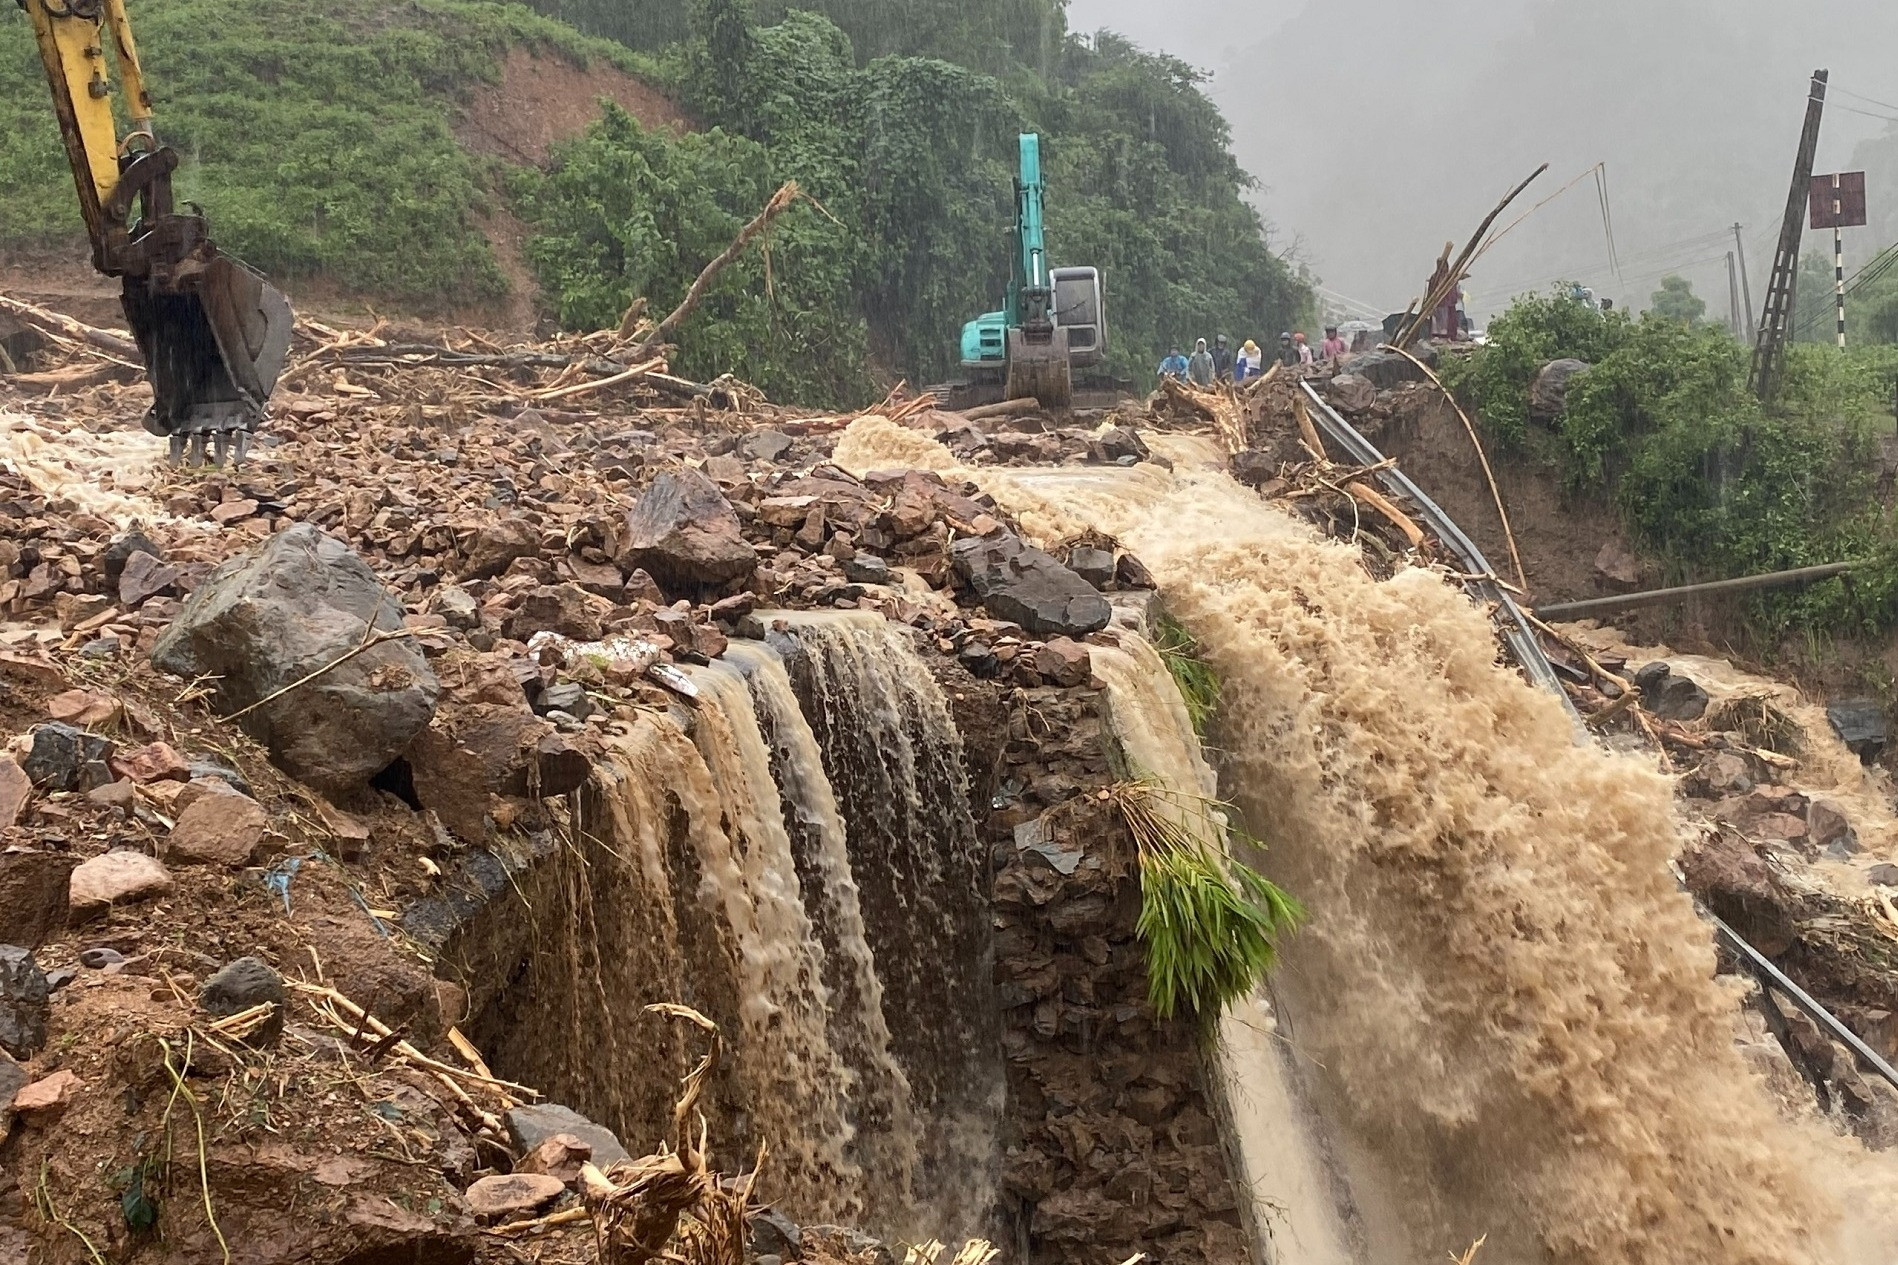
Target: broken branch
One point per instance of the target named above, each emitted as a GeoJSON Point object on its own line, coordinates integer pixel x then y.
{"type": "Point", "coordinates": [780, 203]}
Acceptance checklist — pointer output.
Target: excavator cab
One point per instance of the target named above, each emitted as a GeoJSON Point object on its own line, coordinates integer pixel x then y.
{"type": "Point", "coordinates": [214, 333]}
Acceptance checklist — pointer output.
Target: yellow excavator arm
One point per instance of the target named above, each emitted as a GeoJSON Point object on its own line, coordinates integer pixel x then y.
{"type": "Point", "coordinates": [213, 332]}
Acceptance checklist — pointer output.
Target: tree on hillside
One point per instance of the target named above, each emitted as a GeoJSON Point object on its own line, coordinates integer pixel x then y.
{"type": "Point", "coordinates": [1677, 301]}
{"type": "Point", "coordinates": [723, 45]}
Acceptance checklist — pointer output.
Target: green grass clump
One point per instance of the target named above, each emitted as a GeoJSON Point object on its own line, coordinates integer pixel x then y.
{"type": "Point", "coordinates": [1197, 682]}
{"type": "Point", "coordinates": [1210, 923]}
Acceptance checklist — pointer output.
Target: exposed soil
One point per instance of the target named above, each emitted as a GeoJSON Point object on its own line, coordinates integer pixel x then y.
{"type": "Point", "coordinates": [542, 101]}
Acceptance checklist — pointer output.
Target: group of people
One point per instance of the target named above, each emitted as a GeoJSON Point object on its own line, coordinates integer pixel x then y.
{"type": "Point", "coordinates": [1219, 363]}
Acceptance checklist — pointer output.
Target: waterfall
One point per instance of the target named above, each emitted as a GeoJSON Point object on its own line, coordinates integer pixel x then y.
{"type": "Point", "coordinates": [764, 857]}
{"type": "Point", "coordinates": [883, 1120]}
{"type": "Point", "coordinates": [1506, 1007]}
{"type": "Point", "coordinates": [892, 754]}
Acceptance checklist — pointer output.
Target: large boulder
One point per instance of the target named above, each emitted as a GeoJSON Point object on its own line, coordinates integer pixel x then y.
{"type": "Point", "coordinates": [268, 620]}
{"type": "Point", "coordinates": [1386, 370]}
{"type": "Point", "coordinates": [1023, 585]}
{"type": "Point", "coordinates": [685, 534]}
{"type": "Point", "coordinates": [1860, 724]}
{"type": "Point", "coordinates": [1548, 397]}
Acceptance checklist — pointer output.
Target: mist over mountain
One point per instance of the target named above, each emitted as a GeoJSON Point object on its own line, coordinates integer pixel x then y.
{"type": "Point", "coordinates": [1380, 129]}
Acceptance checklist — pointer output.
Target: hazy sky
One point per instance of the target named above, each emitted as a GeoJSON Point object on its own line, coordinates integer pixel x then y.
{"type": "Point", "coordinates": [1379, 129]}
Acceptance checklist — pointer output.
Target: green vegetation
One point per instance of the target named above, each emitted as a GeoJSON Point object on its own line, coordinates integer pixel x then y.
{"type": "Point", "coordinates": [1197, 682]}
{"type": "Point", "coordinates": [316, 135]}
{"type": "Point", "coordinates": [1871, 299]}
{"type": "Point", "coordinates": [1210, 923]}
{"type": "Point", "coordinates": [319, 136]}
{"type": "Point", "coordinates": [912, 158]}
{"type": "Point", "coordinates": [1677, 301]}
{"type": "Point", "coordinates": [1702, 475]}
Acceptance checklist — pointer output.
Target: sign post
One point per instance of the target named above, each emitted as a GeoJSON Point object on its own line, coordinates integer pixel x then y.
{"type": "Point", "coordinates": [1838, 203]}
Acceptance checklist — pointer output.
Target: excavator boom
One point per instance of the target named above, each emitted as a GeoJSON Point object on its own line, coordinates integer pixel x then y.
{"type": "Point", "coordinates": [213, 332]}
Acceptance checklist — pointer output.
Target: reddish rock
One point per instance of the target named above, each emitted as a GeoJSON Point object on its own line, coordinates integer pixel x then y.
{"type": "Point", "coordinates": [1063, 662]}
{"type": "Point", "coordinates": [15, 789]}
{"type": "Point", "coordinates": [497, 544]}
{"type": "Point", "coordinates": [155, 763]}
{"type": "Point", "coordinates": [44, 1101]}
{"type": "Point", "coordinates": [1828, 824]}
{"type": "Point", "coordinates": [512, 1196]}
{"type": "Point", "coordinates": [559, 1157]}
{"type": "Point", "coordinates": [566, 609]}
{"type": "Point", "coordinates": [32, 670]}
{"type": "Point", "coordinates": [145, 577]}
{"type": "Point", "coordinates": [120, 877]}
{"type": "Point", "coordinates": [641, 587]}
{"type": "Point", "coordinates": [685, 533]}
{"type": "Point", "coordinates": [602, 579]}
{"type": "Point", "coordinates": [225, 830]}
{"type": "Point", "coordinates": [1781, 826]}
{"type": "Point", "coordinates": [82, 708]}
{"type": "Point", "coordinates": [1740, 887]}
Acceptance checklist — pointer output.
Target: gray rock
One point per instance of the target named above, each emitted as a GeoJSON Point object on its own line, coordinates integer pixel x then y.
{"type": "Point", "coordinates": [59, 977]}
{"type": "Point", "coordinates": [23, 994]}
{"type": "Point", "coordinates": [1548, 396]}
{"type": "Point", "coordinates": [144, 576]}
{"type": "Point", "coordinates": [1096, 566]}
{"type": "Point", "coordinates": [565, 697]}
{"type": "Point", "coordinates": [1254, 467]}
{"type": "Point", "coordinates": [62, 757]}
{"type": "Point", "coordinates": [765, 445]}
{"type": "Point", "coordinates": [13, 1079]}
{"type": "Point", "coordinates": [120, 552]}
{"type": "Point", "coordinates": [774, 1234]}
{"type": "Point", "coordinates": [268, 619]}
{"type": "Point", "coordinates": [1860, 724]}
{"type": "Point", "coordinates": [242, 984]}
{"type": "Point", "coordinates": [1025, 586]}
{"type": "Point", "coordinates": [457, 607]}
{"type": "Point", "coordinates": [1387, 370]}
{"type": "Point", "coordinates": [1885, 874]}
{"type": "Point", "coordinates": [204, 768]}
{"type": "Point", "coordinates": [528, 1127]}
{"type": "Point", "coordinates": [1122, 442]}
{"type": "Point", "coordinates": [1679, 698]}
{"type": "Point", "coordinates": [1649, 676]}
{"type": "Point", "coordinates": [685, 534]}
{"type": "Point", "coordinates": [1351, 393]}
{"type": "Point", "coordinates": [867, 568]}
{"type": "Point", "coordinates": [98, 958]}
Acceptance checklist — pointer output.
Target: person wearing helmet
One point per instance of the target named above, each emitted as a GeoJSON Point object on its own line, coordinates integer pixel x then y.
{"type": "Point", "coordinates": [1251, 362]}
{"type": "Point", "coordinates": [1174, 366]}
{"type": "Point", "coordinates": [1288, 351]}
{"type": "Point", "coordinates": [1333, 346]}
{"type": "Point", "coordinates": [1303, 348]}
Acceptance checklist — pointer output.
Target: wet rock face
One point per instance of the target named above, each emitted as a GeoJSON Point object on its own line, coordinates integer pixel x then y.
{"type": "Point", "coordinates": [1020, 583]}
{"type": "Point", "coordinates": [1548, 397]}
{"type": "Point", "coordinates": [267, 620]}
{"type": "Point", "coordinates": [685, 534]}
{"type": "Point", "coordinates": [1860, 724]}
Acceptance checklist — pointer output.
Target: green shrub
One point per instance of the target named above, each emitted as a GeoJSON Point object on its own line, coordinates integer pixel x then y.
{"type": "Point", "coordinates": [1703, 477]}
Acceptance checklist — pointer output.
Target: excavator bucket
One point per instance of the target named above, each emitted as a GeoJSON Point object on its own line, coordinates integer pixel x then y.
{"type": "Point", "coordinates": [1039, 368]}
{"type": "Point", "coordinates": [215, 339]}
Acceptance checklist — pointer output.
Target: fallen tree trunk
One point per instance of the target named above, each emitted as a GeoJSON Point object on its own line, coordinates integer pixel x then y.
{"type": "Point", "coordinates": [114, 341]}
{"type": "Point", "coordinates": [1007, 408]}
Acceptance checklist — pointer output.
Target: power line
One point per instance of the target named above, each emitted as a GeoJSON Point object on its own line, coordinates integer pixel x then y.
{"type": "Point", "coordinates": [1859, 96]}
{"type": "Point", "coordinates": [1889, 118]}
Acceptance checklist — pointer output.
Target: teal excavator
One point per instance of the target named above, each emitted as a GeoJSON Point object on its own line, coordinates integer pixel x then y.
{"type": "Point", "coordinates": [1053, 320]}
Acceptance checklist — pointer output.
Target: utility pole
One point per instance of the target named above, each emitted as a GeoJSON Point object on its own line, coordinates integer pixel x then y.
{"type": "Point", "coordinates": [1769, 350]}
{"type": "Point", "coordinates": [1746, 286]}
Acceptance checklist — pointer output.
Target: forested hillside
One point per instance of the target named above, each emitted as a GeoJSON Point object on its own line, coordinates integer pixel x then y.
{"type": "Point", "coordinates": [320, 135]}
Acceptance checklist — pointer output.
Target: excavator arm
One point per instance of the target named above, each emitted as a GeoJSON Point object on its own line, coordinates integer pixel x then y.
{"type": "Point", "coordinates": [213, 332]}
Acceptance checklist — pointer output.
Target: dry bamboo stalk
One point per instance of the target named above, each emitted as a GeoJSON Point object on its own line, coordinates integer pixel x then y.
{"type": "Point", "coordinates": [1456, 274]}
{"type": "Point", "coordinates": [599, 384]}
{"type": "Point", "coordinates": [1376, 500]}
{"type": "Point", "coordinates": [466, 1048]}
{"type": "Point", "coordinates": [407, 1051]}
{"type": "Point", "coordinates": [1469, 427]}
